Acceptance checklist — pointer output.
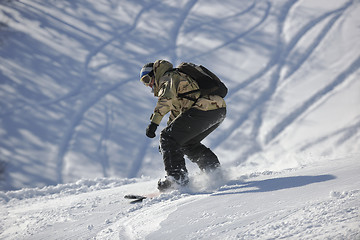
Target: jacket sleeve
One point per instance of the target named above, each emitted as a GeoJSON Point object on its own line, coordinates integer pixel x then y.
{"type": "Point", "coordinates": [163, 106]}
{"type": "Point", "coordinates": [169, 100]}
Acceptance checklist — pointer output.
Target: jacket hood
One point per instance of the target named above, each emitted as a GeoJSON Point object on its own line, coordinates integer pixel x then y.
{"type": "Point", "coordinates": [160, 68]}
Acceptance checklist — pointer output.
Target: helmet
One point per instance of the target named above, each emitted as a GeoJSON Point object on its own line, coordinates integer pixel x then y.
{"type": "Point", "coordinates": [147, 73]}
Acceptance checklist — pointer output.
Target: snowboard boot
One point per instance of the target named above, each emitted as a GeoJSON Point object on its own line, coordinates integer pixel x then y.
{"type": "Point", "coordinates": [171, 182]}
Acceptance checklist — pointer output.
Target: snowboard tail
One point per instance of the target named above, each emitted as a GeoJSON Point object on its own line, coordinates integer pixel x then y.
{"type": "Point", "coordinates": [135, 198]}
{"type": "Point", "coordinates": [139, 198]}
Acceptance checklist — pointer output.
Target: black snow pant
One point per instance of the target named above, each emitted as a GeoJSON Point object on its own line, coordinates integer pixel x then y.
{"type": "Point", "coordinates": [183, 137]}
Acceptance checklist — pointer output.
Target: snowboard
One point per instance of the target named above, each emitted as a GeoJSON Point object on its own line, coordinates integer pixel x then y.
{"type": "Point", "coordinates": [139, 198]}
{"type": "Point", "coordinates": [135, 198]}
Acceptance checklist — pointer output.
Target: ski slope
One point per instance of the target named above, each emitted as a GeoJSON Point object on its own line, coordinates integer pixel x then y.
{"type": "Point", "coordinates": [70, 95]}
{"type": "Point", "coordinates": [73, 116]}
{"type": "Point", "coordinates": [315, 202]}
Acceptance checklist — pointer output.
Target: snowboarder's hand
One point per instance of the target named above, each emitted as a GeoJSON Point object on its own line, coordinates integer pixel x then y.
{"type": "Point", "coordinates": [150, 130]}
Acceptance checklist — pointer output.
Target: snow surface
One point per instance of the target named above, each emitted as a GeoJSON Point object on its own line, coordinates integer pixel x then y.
{"type": "Point", "coordinates": [73, 116]}
{"type": "Point", "coordinates": [321, 201]}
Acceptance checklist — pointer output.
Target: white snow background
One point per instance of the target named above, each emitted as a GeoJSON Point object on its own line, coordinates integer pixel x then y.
{"type": "Point", "coordinates": [73, 116]}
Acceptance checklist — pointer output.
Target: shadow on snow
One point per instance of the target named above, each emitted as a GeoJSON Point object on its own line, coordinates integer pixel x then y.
{"type": "Point", "coordinates": [274, 184]}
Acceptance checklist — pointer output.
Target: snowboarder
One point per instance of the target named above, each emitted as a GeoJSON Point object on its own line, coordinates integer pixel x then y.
{"type": "Point", "coordinates": [192, 118]}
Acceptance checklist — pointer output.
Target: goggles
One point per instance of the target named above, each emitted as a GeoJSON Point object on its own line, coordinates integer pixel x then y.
{"type": "Point", "coordinates": [146, 76]}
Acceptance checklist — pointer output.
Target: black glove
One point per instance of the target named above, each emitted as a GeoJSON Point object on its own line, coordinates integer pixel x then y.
{"type": "Point", "coordinates": [150, 130]}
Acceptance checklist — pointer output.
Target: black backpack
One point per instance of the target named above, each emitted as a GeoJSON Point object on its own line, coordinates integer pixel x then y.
{"type": "Point", "coordinates": [209, 83]}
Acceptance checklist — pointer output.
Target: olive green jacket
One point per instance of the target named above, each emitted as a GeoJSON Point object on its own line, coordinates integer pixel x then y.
{"type": "Point", "coordinates": [168, 84]}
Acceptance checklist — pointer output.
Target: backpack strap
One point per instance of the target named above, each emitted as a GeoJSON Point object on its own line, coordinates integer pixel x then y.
{"type": "Point", "coordinates": [184, 95]}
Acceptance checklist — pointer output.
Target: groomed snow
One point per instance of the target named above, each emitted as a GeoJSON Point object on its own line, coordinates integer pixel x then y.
{"type": "Point", "coordinates": [319, 201]}
{"type": "Point", "coordinates": [73, 117]}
